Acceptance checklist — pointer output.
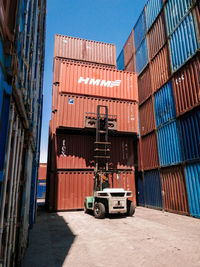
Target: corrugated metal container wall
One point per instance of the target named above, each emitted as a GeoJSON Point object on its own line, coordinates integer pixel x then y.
{"type": "Point", "coordinates": [129, 49]}
{"type": "Point", "coordinates": [139, 153]}
{"type": "Point", "coordinates": [55, 92]}
{"type": "Point", "coordinates": [42, 171]}
{"type": "Point", "coordinates": [57, 63]}
{"type": "Point", "coordinates": [140, 190]}
{"type": "Point", "coordinates": [147, 118]}
{"type": "Point", "coordinates": [153, 8]}
{"type": "Point", "coordinates": [174, 12]}
{"type": "Point", "coordinates": [174, 190]}
{"type": "Point", "coordinates": [73, 187]}
{"type": "Point", "coordinates": [141, 56]}
{"type": "Point", "coordinates": [131, 65]}
{"type": "Point", "coordinates": [150, 152]}
{"type": "Point", "coordinates": [183, 46]}
{"type": "Point", "coordinates": [88, 80]}
{"type": "Point", "coordinates": [192, 173]}
{"type": "Point", "coordinates": [157, 36]}
{"type": "Point", "coordinates": [120, 60]}
{"type": "Point", "coordinates": [86, 50]}
{"type": "Point", "coordinates": [72, 109]}
{"type": "Point", "coordinates": [77, 152]}
{"type": "Point", "coordinates": [144, 85]}
{"type": "Point", "coordinates": [160, 69]}
{"type": "Point", "coordinates": [153, 189]}
{"type": "Point", "coordinates": [140, 29]}
{"type": "Point", "coordinates": [169, 148]}
{"type": "Point", "coordinates": [164, 104]}
{"type": "Point", "coordinates": [190, 133]}
{"type": "Point", "coordinates": [186, 85]}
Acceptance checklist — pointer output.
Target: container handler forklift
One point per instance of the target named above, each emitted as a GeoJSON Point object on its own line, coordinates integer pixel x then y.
{"type": "Point", "coordinates": [105, 200]}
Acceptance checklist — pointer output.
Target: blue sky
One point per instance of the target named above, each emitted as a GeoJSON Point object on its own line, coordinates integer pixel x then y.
{"type": "Point", "coordinates": [108, 21]}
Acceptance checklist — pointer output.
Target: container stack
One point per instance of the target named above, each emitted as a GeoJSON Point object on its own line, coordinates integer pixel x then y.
{"type": "Point", "coordinates": [167, 40]}
{"type": "Point", "coordinates": [85, 76]}
{"type": "Point", "coordinates": [41, 188]}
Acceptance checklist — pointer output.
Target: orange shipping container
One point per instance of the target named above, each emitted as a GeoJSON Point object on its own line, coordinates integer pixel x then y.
{"type": "Point", "coordinates": [73, 108]}
{"type": "Point", "coordinates": [131, 65]}
{"type": "Point", "coordinates": [129, 49]}
{"type": "Point", "coordinates": [144, 85]}
{"type": "Point", "coordinates": [147, 117]}
{"type": "Point", "coordinates": [160, 69]}
{"type": "Point", "coordinates": [73, 187]}
{"type": "Point", "coordinates": [174, 190]}
{"type": "Point", "coordinates": [42, 171]}
{"type": "Point", "coordinates": [93, 81]}
{"type": "Point", "coordinates": [85, 50]}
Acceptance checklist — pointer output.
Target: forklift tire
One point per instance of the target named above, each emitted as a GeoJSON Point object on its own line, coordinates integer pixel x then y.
{"type": "Point", "coordinates": [99, 210]}
{"type": "Point", "coordinates": [130, 208]}
{"type": "Point", "coordinates": [85, 207]}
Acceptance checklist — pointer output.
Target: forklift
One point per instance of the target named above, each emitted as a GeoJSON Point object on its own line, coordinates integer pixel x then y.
{"type": "Point", "coordinates": [105, 199]}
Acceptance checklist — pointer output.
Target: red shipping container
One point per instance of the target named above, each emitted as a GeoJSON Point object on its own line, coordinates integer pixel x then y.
{"type": "Point", "coordinates": [76, 151]}
{"type": "Point", "coordinates": [186, 86]}
{"type": "Point", "coordinates": [147, 117]}
{"type": "Point", "coordinates": [73, 187]}
{"type": "Point", "coordinates": [58, 62]}
{"type": "Point", "coordinates": [42, 171]}
{"type": "Point", "coordinates": [89, 80]}
{"type": "Point", "coordinates": [174, 190]}
{"type": "Point", "coordinates": [85, 50]}
{"type": "Point", "coordinates": [144, 85]}
{"type": "Point", "coordinates": [150, 152]}
{"type": "Point", "coordinates": [131, 65]}
{"type": "Point", "coordinates": [72, 110]}
{"type": "Point", "coordinates": [55, 92]}
{"type": "Point", "coordinates": [139, 152]}
{"type": "Point", "coordinates": [157, 36]}
{"type": "Point", "coordinates": [160, 69]}
{"type": "Point", "coordinates": [129, 50]}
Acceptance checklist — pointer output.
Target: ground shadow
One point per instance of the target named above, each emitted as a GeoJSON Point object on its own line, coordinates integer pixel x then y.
{"type": "Point", "coordinates": [50, 241]}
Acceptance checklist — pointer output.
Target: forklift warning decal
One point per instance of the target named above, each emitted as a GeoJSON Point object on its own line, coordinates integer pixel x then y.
{"type": "Point", "coordinates": [70, 101]}
{"type": "Point", "coordinates": [99, 82]}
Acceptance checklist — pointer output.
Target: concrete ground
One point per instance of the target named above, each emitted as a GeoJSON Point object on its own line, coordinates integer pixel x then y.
{"type": "Point", "coordinates": [149, 238]}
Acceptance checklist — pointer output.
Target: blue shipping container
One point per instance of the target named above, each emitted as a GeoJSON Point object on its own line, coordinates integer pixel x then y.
{"type": "Point", "coordinates": [169, 148]}
{"type": "Point", "coordinates": [153, 8]}
{"type": "Point", "coordinates": [192, 173]}
{"type": "Point", "coordinates": [190, 135]}
{"type": "Point", "coordinates": [120, 60]}
{"type": "Point", "coordinates": [139, 29]}
{"type": "Point", "coordinates": [164, 104]}
{"type": "Point", "coordinates": [153, 189]}
{"type": "Point", "coordinates": [141, 56]}
{"type": "Point", "coordinates": [140, 190]}
{"type": "Point", "coordinates": [183, 42]}
{"type": "Point", "coordinates": [175, 10]}
{"type": "Point", "coordinates": [41, 188]}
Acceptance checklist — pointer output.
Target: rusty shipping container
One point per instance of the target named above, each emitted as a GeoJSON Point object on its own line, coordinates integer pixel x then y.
{"type": "Point", "coordinates": [72, 110]}
{"type": "Point", "coordinates": [131, 65]}
{"type": "Point", "coordinates": [76, 151]}
{"type": "Point", "coordinates": [174, 190]}
{"type": "Point", "coordinates": [144, 85]}
{"type": "Point", "coordinates": [129, 50]}
{"type": "Point", "coordinates": [139, 153]}
{"type": "Point", "coordinates": [150, 152]}
{"type": "Point", "coordinates": [85, 50]}
{"type": "Point", "coordinates": [157, 36]}
{"type": "Point", "coordinates": [42, 171]}
{"type": "Point", "coordinates": [147, 117]}
{"type": "Point", "coordinates": [72, 188]}
{"type": "Point", "coordinates": [186, 86]}
{"type": "Point", "coordinates": [89, 80]}
{"type": "Point", "coordinates": [57, 62]}
{"type": "Point", "coordinates": [160, 69]}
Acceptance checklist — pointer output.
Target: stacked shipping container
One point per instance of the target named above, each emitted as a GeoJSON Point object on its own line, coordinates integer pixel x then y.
{"type": "Point", "coordinates": [22, 43]}
{"type": "Point", "coordinates": [84, 77]}
{"type": "Point", "coordinates": [166, 38]}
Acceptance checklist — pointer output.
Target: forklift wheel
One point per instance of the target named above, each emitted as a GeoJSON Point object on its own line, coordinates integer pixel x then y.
{"type": "Point", "coordinates": [99, 210]}
{"type": "Point", "coordinates": [130, 208]}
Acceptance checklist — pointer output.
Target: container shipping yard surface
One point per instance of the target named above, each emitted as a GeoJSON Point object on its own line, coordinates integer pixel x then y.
{"type": "Point", "coordinates": [102, 166]}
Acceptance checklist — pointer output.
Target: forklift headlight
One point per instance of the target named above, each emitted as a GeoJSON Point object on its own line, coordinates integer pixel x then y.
{"type": "Point", "coordinates": [129, 194]}
{"type": "Point", "coordinates": [102, 194]}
